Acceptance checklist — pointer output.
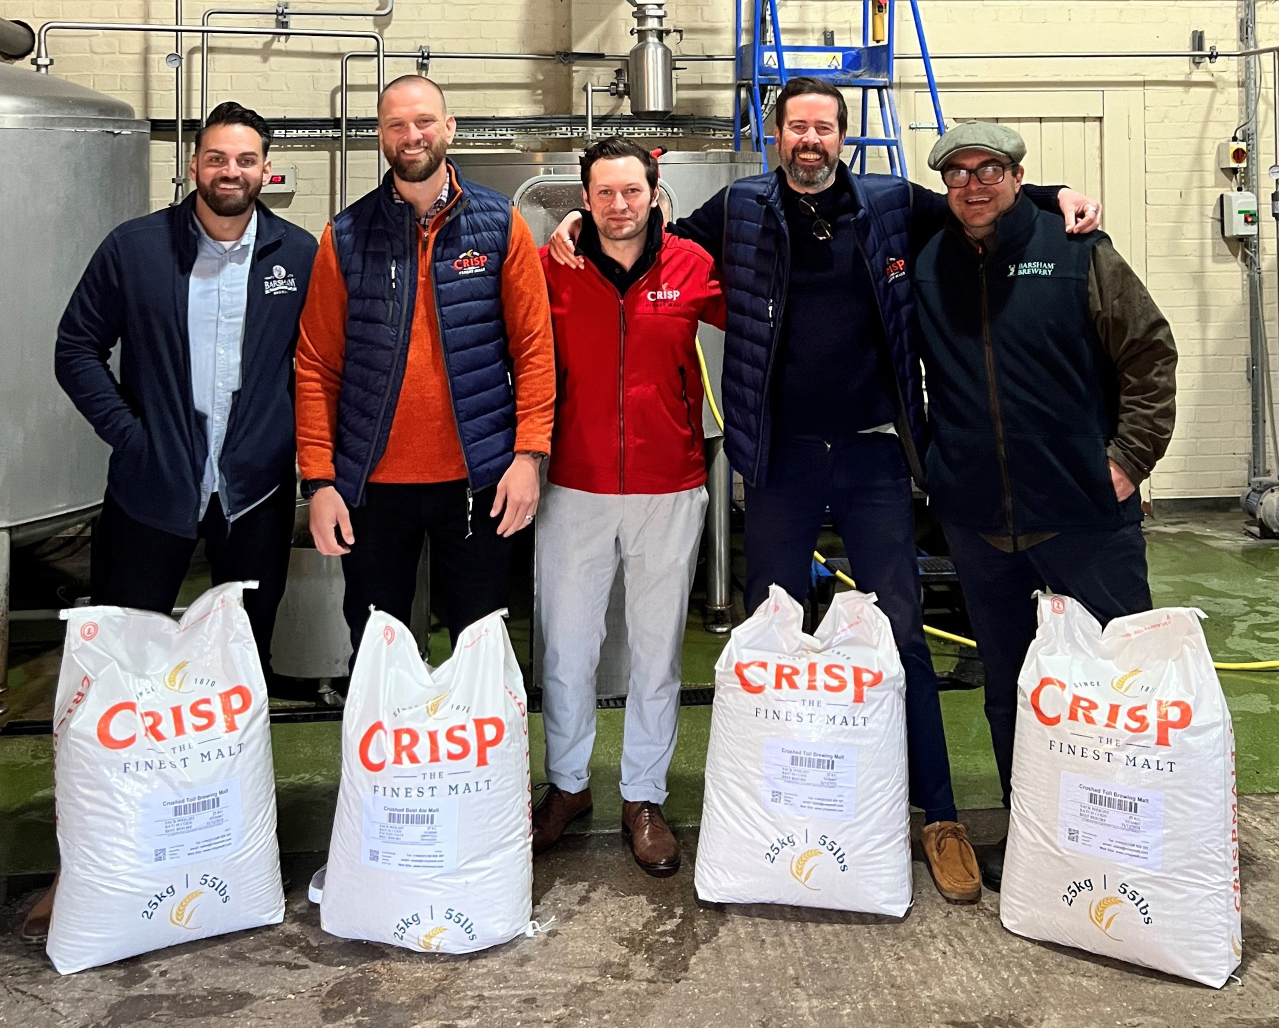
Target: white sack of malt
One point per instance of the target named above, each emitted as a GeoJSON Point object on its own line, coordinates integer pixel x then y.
{"type": "Point", "coordinates": [432, 844]}
{"type": "Point", "coordinates": [1124, 836]}
{"type": "Point", "coordinates": [164, 783]}
{"type": "Point", "coordinates": [806, 792]}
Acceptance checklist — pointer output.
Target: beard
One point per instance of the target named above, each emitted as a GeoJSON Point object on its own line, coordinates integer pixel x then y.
{"type": "Point", "coordinates": [417, 169]}
{"type": "Point", "coordinates": [228, 205]}
{"type": "Point", "coordinates": [809, 175]}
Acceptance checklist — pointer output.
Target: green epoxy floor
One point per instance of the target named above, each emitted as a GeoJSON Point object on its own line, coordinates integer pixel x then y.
{"type": "Point", "coordinates": [1205, 562]}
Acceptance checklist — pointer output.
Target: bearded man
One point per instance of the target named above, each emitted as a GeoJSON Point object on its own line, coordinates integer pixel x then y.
{"type": "Point", "coordinates": [409, 424]}
{"type": "Point", "coordinates": [203, 300]}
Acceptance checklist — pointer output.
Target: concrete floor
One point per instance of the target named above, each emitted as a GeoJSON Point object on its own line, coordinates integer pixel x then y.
{"type": "Point", "coordinates": [634, 951]}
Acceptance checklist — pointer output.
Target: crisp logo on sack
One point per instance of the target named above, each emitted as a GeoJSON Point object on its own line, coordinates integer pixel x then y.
{"type": "Point", "coordinates": [480, 734]}
{"type": "Point", "coordinates": [181, 913]}
{"type": "Point", "coordinates": [388, 633]}
{"type": "Point", "coordinates": [802, 868]}
{"type": "Point", "coordinates": [192, 718]}
{"type": "Point", "coordinates": [755, 676]}
{"type": "Point", "coordinates": [470, 263]}
{"type": "Point", "coordinates": [434, 704]}
{"type": "Point", "coordinates": [280, 281]}
{"type": "Point", "coordinates": [1101, 918]}
{"type": "Point", "coordinates": [431, 941]}
{"type": "Point", "coordinates": [175, 681]}
{"type": "Point", "coordinates": [1123, 684]}
{"type": "Point", "coordinates": [1058, 605]}
{"type": "Point", "coordinates": [1169, 715]}
{"type": "Point", "coordinates": [88, 630]}
{"type": "Point", "coordinates": [895, 269]}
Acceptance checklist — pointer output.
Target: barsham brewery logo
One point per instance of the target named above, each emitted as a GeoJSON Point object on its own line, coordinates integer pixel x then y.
{"type": "Point", "coordinates": [182, 911]}
{"type": "Point", "coordinates": [802, 866]}
{"type": "Point", "coordinates": [470, 263]}
{"type": "Point", "coordinates": [280, 281]}
{"type": "Point", "coordinates": [175, 680]}
{"type": "Point", "coordinates": [431, 941]}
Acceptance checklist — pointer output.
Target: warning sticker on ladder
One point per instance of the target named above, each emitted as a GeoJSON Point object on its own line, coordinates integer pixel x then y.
{"type": "Point", "coordinates": [806, 59]}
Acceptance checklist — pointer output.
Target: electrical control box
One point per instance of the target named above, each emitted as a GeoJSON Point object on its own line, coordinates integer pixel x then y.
{"type": "Point", "coordinates": [1238, 215]}
{"type": "Point", "coordinates": [283, 179]}
{"type": "Point", "coordinates": [1232, 156]}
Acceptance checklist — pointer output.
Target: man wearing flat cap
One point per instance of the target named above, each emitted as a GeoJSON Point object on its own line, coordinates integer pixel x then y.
{"type": "Point", "coordinates": [1051, 385]}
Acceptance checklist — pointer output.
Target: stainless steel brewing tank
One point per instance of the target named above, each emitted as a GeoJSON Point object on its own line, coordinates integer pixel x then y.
{"type": "Point", "coordinates": [544, 187]}
{"type": "Point", "coordinates": [74, 164]}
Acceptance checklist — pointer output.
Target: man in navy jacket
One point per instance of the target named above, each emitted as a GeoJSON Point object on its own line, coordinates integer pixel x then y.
{"type": "Point", "coordinates": [203, 299]}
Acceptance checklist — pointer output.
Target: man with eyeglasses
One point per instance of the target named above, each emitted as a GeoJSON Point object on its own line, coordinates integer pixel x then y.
{"type": "Point", "coordinates": [1052, 389]}
{"type": "Point", "coordinates": [823, 402]}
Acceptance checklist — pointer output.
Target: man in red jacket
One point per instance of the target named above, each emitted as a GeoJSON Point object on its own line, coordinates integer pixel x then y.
{"type": "Point", "coordinates": [626, 483]}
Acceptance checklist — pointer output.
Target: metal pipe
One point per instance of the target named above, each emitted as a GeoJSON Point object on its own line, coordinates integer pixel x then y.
{"type": "Point", "coordinates": [590, 90]}
{"type": "Point", "coordinates": [17, 39]}
{"type": "Point", "coordinates": [179, 174]}
{"type": "Point", "coordinates": [1251, 252]}
{"type": "Point", "coordinates": [719, 597]}
{"type": "Point", "coordinates": [5, 567]}
{"type": "Point", "coordinates": [380, 12]}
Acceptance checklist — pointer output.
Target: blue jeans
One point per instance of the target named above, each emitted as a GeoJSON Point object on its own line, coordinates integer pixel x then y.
{"type": "Point", "coordinates": [1104, 570]}
{"type": "Point", "coordinates": [865, 483]}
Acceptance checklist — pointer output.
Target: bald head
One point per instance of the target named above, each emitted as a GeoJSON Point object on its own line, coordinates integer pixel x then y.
{"type": "Point", "coordinates": [411, 85]}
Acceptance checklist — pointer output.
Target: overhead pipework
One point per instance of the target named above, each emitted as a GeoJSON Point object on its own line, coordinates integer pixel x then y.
{"type": "Point", "coordinates": [17, 39]}
{"type": "Point", "coordinates": [650, 66]}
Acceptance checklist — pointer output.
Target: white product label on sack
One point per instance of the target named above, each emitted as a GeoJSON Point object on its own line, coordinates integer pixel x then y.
{"type": "Point", "coordinates": [412, 835]}
{"type": "Point", "coordinates": [190, 824]}
{"type": "Point", "coordinates": [812, 778]}
{"type": "Point", "coordinates": [1121, 823]}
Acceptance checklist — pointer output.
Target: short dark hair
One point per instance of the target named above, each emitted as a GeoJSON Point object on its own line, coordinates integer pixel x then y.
{"type": "Point", "coordinates": [804, 86]}
{"type": "Point", "coordinates": [612, 148]}
{"type": "Point", "coordinates": [231, 113]}
{"type": "Point", "coordinates": [395, 83]}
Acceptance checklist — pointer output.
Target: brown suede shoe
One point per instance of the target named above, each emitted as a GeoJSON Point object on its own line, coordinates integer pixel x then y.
{"type": "Point", "coordinates": [650, 839]}
{"type": "Point", "coordinates": [952, 861]}
{"type": "Point", "coordinates": [35, 929]}
{"type": "Point", "coordinates": [552, 815]}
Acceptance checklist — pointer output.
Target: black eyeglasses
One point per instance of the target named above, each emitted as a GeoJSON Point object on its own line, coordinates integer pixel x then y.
{"type": "Point", "coordinates": [821, 230]}
{"type": "Point", "coordinates": [987, 175]}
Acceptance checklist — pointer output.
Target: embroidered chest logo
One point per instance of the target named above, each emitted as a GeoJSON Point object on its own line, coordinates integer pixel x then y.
{"type": "Point", "coordinates": [471, 263]}
{"type": "Point", "coordinates": [280, 281]}
{"type": "Point", "coordinates": [663, 298]}
{"type": "Point", "coordinates": [895, 269]}
{"type": "Point", "coordinates": [1043, 268]}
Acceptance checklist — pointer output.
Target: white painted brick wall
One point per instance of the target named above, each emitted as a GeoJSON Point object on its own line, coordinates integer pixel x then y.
{"type": "Point", "coordinates": [1193, 275]}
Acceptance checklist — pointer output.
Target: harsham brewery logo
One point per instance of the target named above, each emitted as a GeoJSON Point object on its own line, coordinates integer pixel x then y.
{"type": "Point", "coordinates": [1099, 914]}
{"type": "Point", "coordinates": [1052, 700]}
{"type": "Point", "coordinates": [431, 941]}
{"type": "Point", "coordinates": [802, 867]}
{"type": "Point", "coordinates": [755, 676]}
{"type": "Point", "coordinates": [181, 913]}
{"type": "Point", "coordinates": [175, 680]}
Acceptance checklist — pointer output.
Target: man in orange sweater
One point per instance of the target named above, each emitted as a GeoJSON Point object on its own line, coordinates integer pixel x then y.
{"type": "Point", "coordinates": [425, 376]}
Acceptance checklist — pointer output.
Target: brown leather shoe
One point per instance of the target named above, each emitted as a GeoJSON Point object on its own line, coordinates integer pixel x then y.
{"type": "Point", "coordinates": [553, 814]}
{"type": "Point", "coordinates": [650, 839]}
{"type": "Point", "coordinates": [952, 862]}
{"type": "Point", "coordinates": [35, 929]}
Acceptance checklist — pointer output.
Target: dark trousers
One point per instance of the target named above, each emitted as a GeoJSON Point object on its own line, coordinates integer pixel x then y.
{"type": "Point", "coordinates": [134, 565]}
{"type": "Point", "coordinates": [391, 527]}
{"type": "Point", "coordinates": [865, 484]}
{"type": "Point", "coordinates": [1105, 571]}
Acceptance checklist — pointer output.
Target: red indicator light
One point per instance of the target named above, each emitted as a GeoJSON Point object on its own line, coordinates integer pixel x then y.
{"type": "Point", "coordinates": [277, 180]}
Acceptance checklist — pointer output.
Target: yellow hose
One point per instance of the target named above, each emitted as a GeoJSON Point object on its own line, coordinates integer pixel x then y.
{"type": "Point", "coordinates": [1256, 665]}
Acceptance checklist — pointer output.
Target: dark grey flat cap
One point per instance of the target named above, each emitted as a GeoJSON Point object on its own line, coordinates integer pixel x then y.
{"type": "Point", "coordinates": [978, 135]}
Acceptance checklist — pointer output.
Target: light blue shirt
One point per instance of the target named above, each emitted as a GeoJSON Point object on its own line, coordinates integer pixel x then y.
{"type": "Point", "coordinates": [219, 294]}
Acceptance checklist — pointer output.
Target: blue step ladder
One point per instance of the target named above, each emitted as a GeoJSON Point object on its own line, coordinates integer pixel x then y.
{"type": "Point", "coordinates": [766, 63]}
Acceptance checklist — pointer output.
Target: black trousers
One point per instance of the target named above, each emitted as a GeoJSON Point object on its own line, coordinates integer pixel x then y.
{"type": "Point", "coordinates": [1105, 571]}
{"type": "Point", "coordinates": [390, 528]}
{"type": "Point", "coordinates": [134, 565]}
{"type": "Point", "coordinates": [865, 483]}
